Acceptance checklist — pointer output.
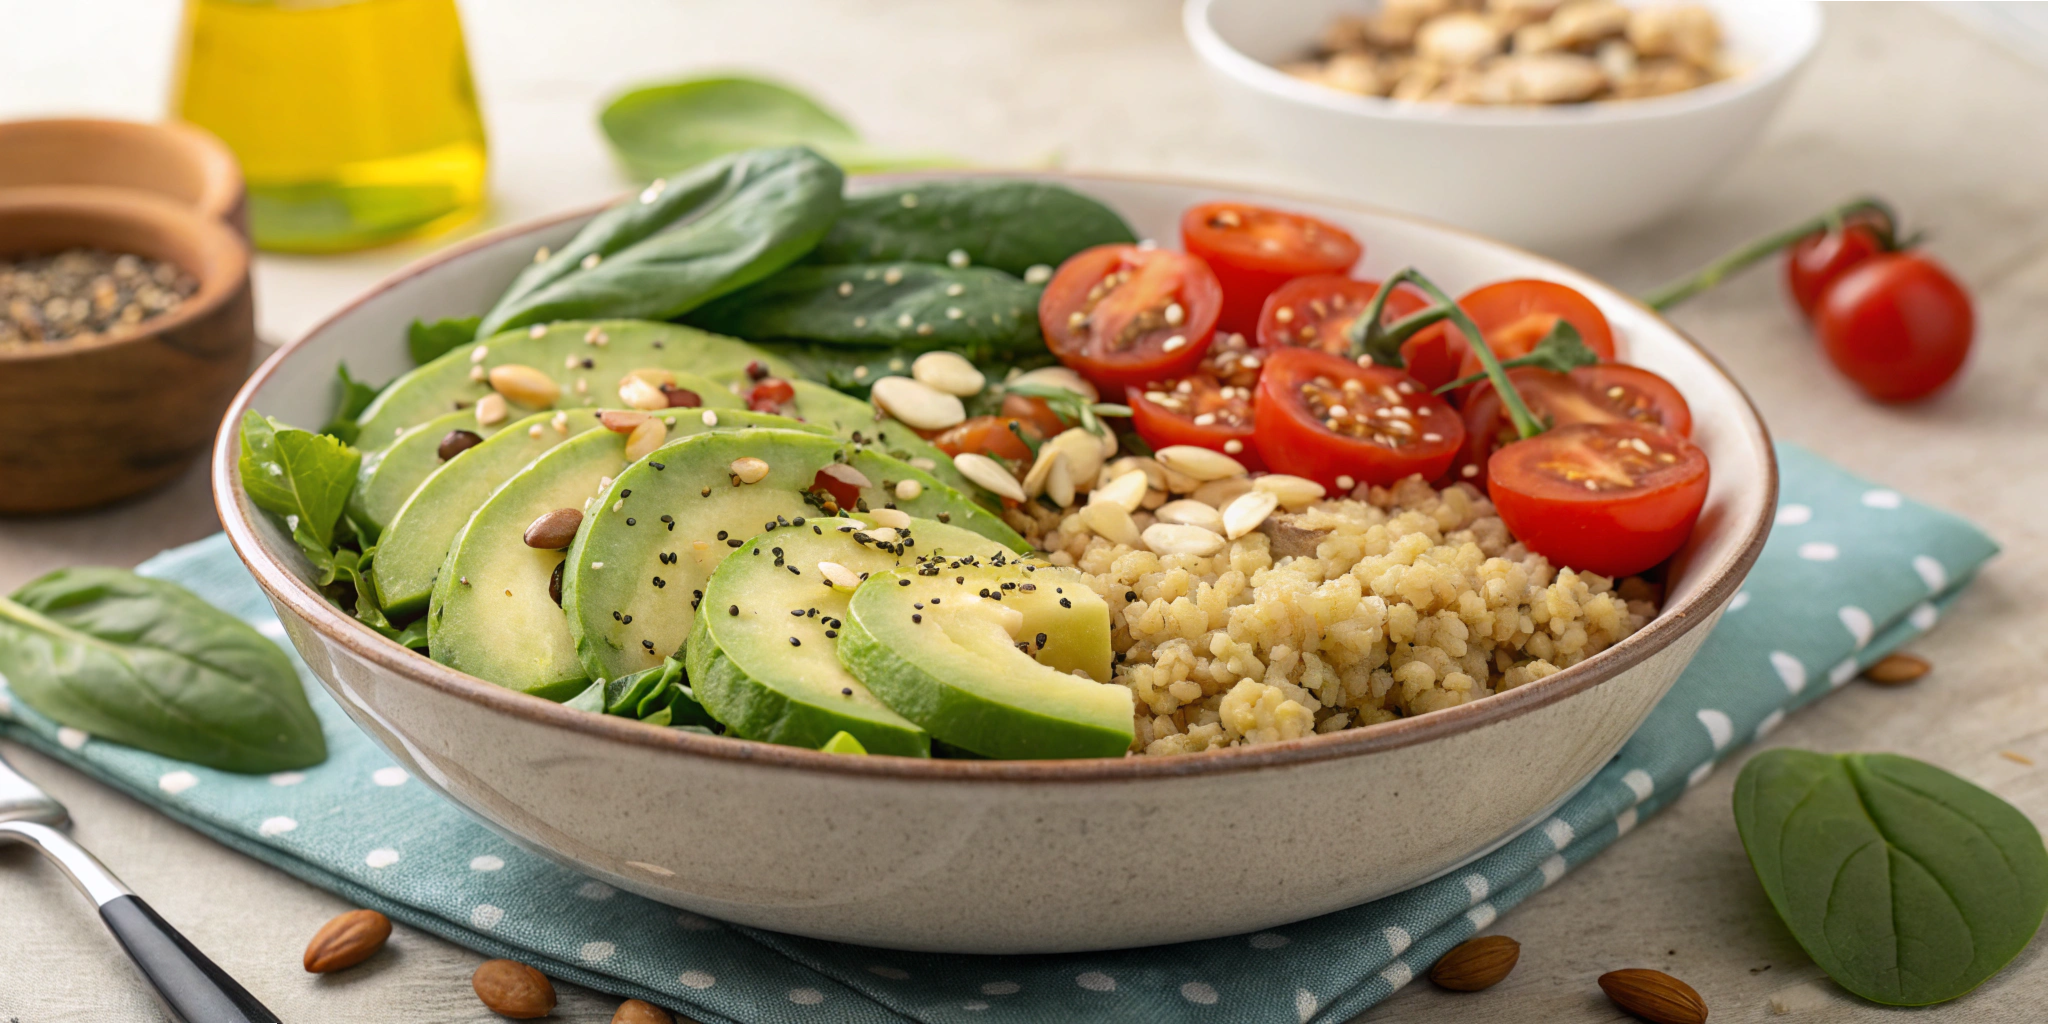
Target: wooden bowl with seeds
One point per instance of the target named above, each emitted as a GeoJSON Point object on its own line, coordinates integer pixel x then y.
{"type": "Point", "coordinates": [125, 327]}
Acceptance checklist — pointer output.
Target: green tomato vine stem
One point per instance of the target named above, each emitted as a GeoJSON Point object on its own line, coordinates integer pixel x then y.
{"type": "Point", "coordinates": [1879, 217]}
{"type": "Point", "coordinates": [1526, 423]}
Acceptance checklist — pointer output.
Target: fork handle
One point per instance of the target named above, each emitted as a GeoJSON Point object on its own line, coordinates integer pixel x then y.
{"type": "Point", "coordinates": [195, 987]}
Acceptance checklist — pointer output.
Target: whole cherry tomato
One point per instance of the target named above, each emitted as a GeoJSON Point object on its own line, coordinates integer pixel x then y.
{"type": "Point", "coordinates": [1331, 420]}
{"type": "Point", "coordinates": [1897, 325]}
{"type": "Point", "coordinates": [1515, 315]}
{"type": "Point", "coordinates": [1122, 315]}
{"type": "Point", "coordinates": [1607, 498]}
{"type": "Point", "coordinates": [1819, 260]}
{"type": "Point", "coordinates": [1254, 250]}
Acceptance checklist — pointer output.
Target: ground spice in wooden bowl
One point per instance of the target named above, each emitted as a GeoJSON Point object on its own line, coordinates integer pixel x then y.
{"type": "Point", "coordinates": [49, 298]}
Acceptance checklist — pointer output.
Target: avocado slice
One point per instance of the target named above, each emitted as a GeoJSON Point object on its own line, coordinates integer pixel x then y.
{"type": "Point", "coordinates": [986, 663]}
{"type": "Point", "coordinates": [764, 660]}
{"type": "Point", "coordinates": [446, 383]}
{"type": "Point", "coordinates": [390, 474]}
{"type": "Point", "coordinates": [863, 424]}
{"type": "Point", "coordinates": [640, 562]}
{"type": "Point", "coordinates": [493, 616]}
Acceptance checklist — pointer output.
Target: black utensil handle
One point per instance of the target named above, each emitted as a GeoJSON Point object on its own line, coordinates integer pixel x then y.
{"type": "Point", "coordinates": [196, 988]}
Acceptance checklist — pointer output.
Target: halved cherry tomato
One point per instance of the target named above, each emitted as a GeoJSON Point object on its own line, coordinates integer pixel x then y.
{"type": "Point", "coordinates": [1254, 250]}
{"type": "Point", "coordinates": [1607, 498]}
{"type": "Point", "coordinates": [1035, 413]}
{"type": "Point", "coordinates": [1515, 315]}
{"type": "Point", "coordinates": [1121, 315]}
{"type": "Point", "coordinates": [1331, 420]}
{"type": "Point", "coordinates": [1605, 393]}
{"type": "Point", "coordinates": [1317, 311]}
{"type": "Point", "coordinates": [1819, 260]}
{"type": "Point", "coordinates": [1198, 410]}
{"type": "Point", "coordinates": [1898, 325]}
{"type": "Point", "coordinates": [989, 435]}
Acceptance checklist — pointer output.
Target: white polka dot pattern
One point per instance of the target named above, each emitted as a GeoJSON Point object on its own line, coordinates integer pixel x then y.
{"type": "Point", "coordinates": [486, 917]}
{"type": "Point", "coordinates": [1699, 775]}
{"type": "Point", "coordinates": [391, 776]}
{"type": "Point", "coordinates": [1639, 782]}
{"type": "Point", "coordinates": [1305, 1005]}
{"type": "Point", "coordinates": [487, 862]}
{"type": "Point", "coordinates": [383, 857]}
{"type": "Point", "coordinates": [1559, 832]}
{"type": "Point", "coordinates": [1790, 670]}
{"type": "Point", "coordinates": [1794, 515]}
{"type": "Point", "coordinates": [1882, 498]}
{"type": "Point", "coordinates": [177, 782]}
{"type": "Point", "coordinates": [1398, 939]}
{"type": "Point", "coordinates": [287, 779]}
{"type": "Point", "coordinates": [1198, 993]}
{"type": "Point", "coordinates": [1477, 887]}
{"type": "Point", "coordinates": [1481, 916]}
{"type": "Point", "coordinates": [1397, 974]}
{"type": "Point", "coordinates": [806, 996]}
{"type": "Point", "coordinates": [1931, 573]}
{"type": "Point", "coordinates": [698, 980]}
{"type": "Point", "coordinates": [1770, 723]}
{"type": "Point", "coordinates": [1924, 616]}
{"type": "Point", "coordinates": [1096, 981]}
{"type": "Point", "coordinates": [1625, 822]}
{"type": "Point", "coordinates": [1843, 671]}
{"type": "Point", "coordinates": [276, 826]}
{"type": "Point", "coordinates": [1857, 622]}
{"type": "Point", "coordinates": [1268, 940]}
{"type": "Point", "coordinates": [1001, 988]}
{"type": "Point", "coordinates": [596, 952]}
{"type": "Point", "coordinates": [1819, 551]}
{"type": "Point", "coordinates": [1554, 868]}
{"type": "Point", "coordinates": [72, 739]}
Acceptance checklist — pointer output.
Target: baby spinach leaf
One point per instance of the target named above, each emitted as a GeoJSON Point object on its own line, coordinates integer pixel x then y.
{"type": "Point", "coordinates": [662, 129]}
{"type": "Point", "coordinates": [352, 398]}
{"type": "Point", "coordinates": [147, 663]}
{"type": "Point", "coordinates": [428, 340]}
{"type": "Point", "coordinates": [302, 477]}
{"type": "Point", "coordinates": [1908, 885]}
{"type": "Point", "coordinates": [912, 306]}
{"type": "Point", "coordinates": [681, 242]}
{"type": "Point", "coordinates": [655, 695]}
{"type": "Point", "coordinates": [1009, 225]}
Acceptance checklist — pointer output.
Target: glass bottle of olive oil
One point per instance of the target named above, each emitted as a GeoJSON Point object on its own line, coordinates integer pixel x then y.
{"type": "Point", "coordinates": [355, 120]}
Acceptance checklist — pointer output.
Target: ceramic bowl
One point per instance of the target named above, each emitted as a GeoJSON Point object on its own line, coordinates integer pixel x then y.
{"type": "Point", "coordinates": [1545, 176]}
{"type": "Point", "coordinates": [179, 162]}
{"type": "Point", "coordinates": [991, 856]}
{"type": "Point", "coordinates": [97, 418]}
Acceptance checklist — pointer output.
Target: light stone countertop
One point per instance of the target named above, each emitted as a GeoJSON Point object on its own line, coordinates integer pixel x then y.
{"type": "Point", "coordinates": [1902, 102]}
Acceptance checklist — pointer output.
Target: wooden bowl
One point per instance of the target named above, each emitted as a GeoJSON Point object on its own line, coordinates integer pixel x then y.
{"type": "Point", "coordinates": [97, 418]}
{"type": "Point", "coordinates": [179, 162]}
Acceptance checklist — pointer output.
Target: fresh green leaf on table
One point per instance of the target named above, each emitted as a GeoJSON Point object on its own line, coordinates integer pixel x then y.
{"type": "Point", "coordinates": [145, 662]}
{"type": "Point", "coordinates": [302, 477]}
{"type": "Point", "coordinates": [912, 306]}
{"type": "Point", "coordinates": [661, 129]}
{"type": "Point", "coordinates": [1010, 225]}
{"type": "Point", "coordinates": [1907, 884]}
{"type": "Point", "coordinates": [353, 396]}
{"type": "Point", "coordinates": [428, 340]}
{"type": "Point", "coordinates": [681, 242]}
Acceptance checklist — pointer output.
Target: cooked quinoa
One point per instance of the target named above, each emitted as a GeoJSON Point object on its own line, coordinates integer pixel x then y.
{"type": "Point", "coordinates": [1413, 600]}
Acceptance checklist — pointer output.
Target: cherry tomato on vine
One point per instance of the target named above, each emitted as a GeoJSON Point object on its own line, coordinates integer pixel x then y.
{"type": "Point", "coordinates": [1121, 315]}
{"type": "Point", "coordinates": [1607, 498]}
{"type": "Point", "coordinates": [1197, 410]}
{"type": "Point", "coordinates": [989, 435]}
{"type": "Point", "coordinates": [1329, 419]}
{"type": "Point", "coordinates": [1606, 393]}
{"type": "Point", "coordinates": [1515, 315]}
{"type": "Point", "coordinates": [1034, 412]}
{"type": "Point", "coordinates": [1897, 325]}
{"type": "Point", "coordinates": [1255, 250]}
{"type": "Point", "coordinates": [1819, 260]}
{"type": "Point", "coordinates": [1317, 311]}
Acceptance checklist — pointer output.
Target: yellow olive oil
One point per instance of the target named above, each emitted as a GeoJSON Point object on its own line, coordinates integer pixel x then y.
{"type": "Point", "coordinates": [355, 120]}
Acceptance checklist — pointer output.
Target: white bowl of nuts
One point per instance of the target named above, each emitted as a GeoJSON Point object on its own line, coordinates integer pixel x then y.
{"type": "Point", "coordinates": [1541, 122]}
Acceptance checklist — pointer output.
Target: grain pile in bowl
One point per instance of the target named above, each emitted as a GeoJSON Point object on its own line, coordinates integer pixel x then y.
{"type": "Point", "coordinates": [1257, 609]}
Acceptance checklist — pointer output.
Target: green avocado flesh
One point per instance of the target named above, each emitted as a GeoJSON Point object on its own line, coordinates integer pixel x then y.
{"type": "Point", "coordinates": [492, 614]}
{"type": "Point", "coordinates": [413, 546]}
{"type": "Point", "coordinates": [763, 660]}
{"type": "Point", "coordinates": [390, 474]}
{"type": "Point", "coordinates": [640, 562]}
{"type": "Point", "coordinates": [958, 666]}
{"type": "Point", "coordinates": [858, 421]}
{"type": "Point", "coordinates": [446, 383]}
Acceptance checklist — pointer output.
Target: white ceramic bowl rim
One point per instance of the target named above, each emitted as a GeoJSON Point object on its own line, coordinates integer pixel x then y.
{"type": "Point", "coordinates": [1195, 17]}
{"type": "Point", "coordinates": [284, 586]}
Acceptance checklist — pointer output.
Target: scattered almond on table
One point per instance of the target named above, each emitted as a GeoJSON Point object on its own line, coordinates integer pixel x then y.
{"type": "Point", "coordinates": [1654, 996]}
{"type": "Point", "coordinates": [1517, 52]}
{"type": "Point", "coordinates": [1896, 669]}
{"type": "Point", "coordinates": [635, 1011]}
{"type": "Point", "coordinates": [512, 989]}
{"type": "Point", "coordinates": [347, 941]}
{"type": "Point", "coordinates": [1476, 963]}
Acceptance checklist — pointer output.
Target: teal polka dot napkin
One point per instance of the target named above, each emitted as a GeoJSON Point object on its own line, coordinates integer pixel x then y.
{"type": "Point", "coordinates": [1852, 571]}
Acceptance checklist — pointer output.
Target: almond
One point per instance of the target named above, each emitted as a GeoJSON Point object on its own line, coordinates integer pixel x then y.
{"type": "Point", "coordinates": [512, 989]}
{"type": "Point", "coordinates": [634, 1011]}
{"type": "Point", "coordinates": [1476, 963]}
{"type": "Point", "coordinates": [347, 941]}
{"type": "Point", "coordinates": [1896, 669]}
{"type": "Point", "coordinates": [1654, 996]}
{"type": "Point", "coordinates": [525, 385]}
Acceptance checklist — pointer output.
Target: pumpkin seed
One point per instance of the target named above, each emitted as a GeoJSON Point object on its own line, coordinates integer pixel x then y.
{"type": "Point", "coordinates": [1127, 490]}
{"type": "Point", "coordinates": [949, 372]}
{"type": "Point", "coordinates": [1179, 539]}
{"type": "Point", "coordinates": [1244, 514]}
{"type": "Point", "coordinates": [986, 472]}
{"type": "Point", "coordinates": [1294, 492]}
{"type": "Point", "coordinates": [1113, 523]}
{"type": "Point", "coordinates": [1218, 493]}
{"type": "Point", "coordinates": [1201, 464]}
{"type": "Point", "coordinates": [918, 405]}
{"type": "Point", "coordinates": [1188, 512]}
{"type": "Point", "coordinates": [749, 470]}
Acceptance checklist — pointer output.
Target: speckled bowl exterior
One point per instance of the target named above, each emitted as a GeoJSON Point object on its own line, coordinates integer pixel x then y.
{"type": "Point", "coordinates": [1007, 857]}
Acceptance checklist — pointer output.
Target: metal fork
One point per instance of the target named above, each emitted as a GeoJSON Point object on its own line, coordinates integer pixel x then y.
{"type": "Point", "coordinates": [195, 988]}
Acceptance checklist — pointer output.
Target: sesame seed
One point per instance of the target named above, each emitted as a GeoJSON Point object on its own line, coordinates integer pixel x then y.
{"type": "Point", "coordinates": [1174, 343]}
{"type": "Point", "coordinates": [733, 611]}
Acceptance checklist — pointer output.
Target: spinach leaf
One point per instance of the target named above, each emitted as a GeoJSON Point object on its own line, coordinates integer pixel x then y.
{"type": "Point", "coordinates": [147, 663]}
{"type": "Point", "coordinates": [353, 397]}
{"type": "Point", "coordinates": [1009, 225]}
{"type": "Point", "coordinates": [428, 340]}
{"type": "Point", "coordinates": [302, 477]}
{"type": "Point", "coordinates": [1908, 885]}
{"type": "Point", "coordinates": [662, 129]}
{"type": "Point", "coordinates": [655, 695]}
{"type": "Point", "coordinates": [681, 242]}
{"type": "Point", "coordinates": [913, 306]}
